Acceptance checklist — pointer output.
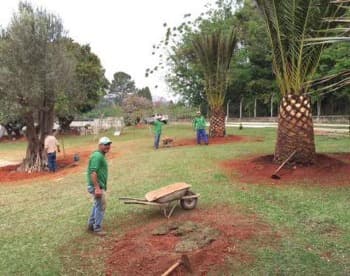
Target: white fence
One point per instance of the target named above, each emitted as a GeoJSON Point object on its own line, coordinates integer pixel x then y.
{"type": "Point", "coordinates": [97, 125]}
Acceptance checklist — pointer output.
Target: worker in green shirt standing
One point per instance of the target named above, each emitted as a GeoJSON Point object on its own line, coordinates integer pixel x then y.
{"type": "Point", "coordinates": [199, 125]}
{"type": "Point", "coordinates": [97, 175]}
{"type": "Point", "coordinates": [157, 130]}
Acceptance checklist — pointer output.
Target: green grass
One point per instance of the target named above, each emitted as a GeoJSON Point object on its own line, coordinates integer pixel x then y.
{"type": "Point", "coordinates": [42, 227]}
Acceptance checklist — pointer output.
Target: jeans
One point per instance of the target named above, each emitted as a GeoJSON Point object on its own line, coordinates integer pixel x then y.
{"type": "Point", "coordinates": [156, 140]}
{"type": "Point", "coordinates": [98, 210]}
{"type": "Point", "coordinates": [202, 136]}
{"type": "Point", "coordinates": [51, 161]}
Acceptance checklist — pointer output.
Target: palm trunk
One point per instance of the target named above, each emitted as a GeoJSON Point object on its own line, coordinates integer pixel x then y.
{"type": "Point", "coordinates": [217, 123]}
{"type": "Point", "coordinates": [295, 130]}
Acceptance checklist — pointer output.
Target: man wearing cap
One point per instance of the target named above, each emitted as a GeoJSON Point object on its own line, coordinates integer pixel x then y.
{"type": "Point", "coordinates": [157, 130]}
{"type": "Point", "coordinates": [199, 124]}
{"type": "Point", "coordinates": [97, 174]}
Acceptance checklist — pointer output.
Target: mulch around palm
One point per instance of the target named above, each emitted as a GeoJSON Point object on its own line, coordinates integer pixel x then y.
{"type": "Point", "coordinates": [331, 169]}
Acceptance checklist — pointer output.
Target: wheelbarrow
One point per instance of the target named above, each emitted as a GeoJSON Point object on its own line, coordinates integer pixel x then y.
{"type": "Point", "coordinates": [167, 141]}
{"type": "Point", "coordinates": [167, 198]}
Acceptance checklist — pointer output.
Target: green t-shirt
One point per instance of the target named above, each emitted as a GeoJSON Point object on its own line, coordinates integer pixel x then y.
{"type": "Point", "coordinates": [199, 123]}
{"type": "Point", "coordinates": [158, 127]}
{"type": "Point", "coordinates": [98, 164]}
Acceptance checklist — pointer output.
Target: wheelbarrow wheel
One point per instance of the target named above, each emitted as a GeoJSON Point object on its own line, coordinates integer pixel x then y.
{"type": "Point", "coordinates": [189, 203]}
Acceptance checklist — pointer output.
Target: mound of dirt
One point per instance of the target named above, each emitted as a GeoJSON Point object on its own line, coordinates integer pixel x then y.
{"type": "Point", "coordinates": [217, 140]}
{"type": "Point", "coordinates": [209, 238]}
{"type": "Point", "coordinates": [65, 165]}
{"type": "Point", "coordinates": [328, 170]}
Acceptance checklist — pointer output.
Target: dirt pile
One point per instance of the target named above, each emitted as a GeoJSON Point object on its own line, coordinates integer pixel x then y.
{"type": "Point", "coordinates": [329, 170]}
{"type": "Point", "coordinates": [217, 140]}
{"type": "Point", "coordinates": [210, 239]}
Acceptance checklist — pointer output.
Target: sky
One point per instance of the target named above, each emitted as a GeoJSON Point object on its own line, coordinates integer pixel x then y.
{"type": "Point", "coordinates": [120, 32]}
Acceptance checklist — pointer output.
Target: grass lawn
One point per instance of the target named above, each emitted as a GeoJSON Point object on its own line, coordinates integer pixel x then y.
{"type": "Point", "coordinates": [42, 227]}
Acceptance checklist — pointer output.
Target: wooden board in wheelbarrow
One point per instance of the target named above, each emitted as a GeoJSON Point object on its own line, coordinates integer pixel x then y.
{"type": "Point", "coordinates": [176, 191]}
{"type": "Point", "coordinates": [168, 193]}
{"type": "Point", "coordinates": [167, 197]}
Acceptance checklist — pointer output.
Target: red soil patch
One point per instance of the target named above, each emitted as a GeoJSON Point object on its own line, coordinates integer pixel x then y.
{"type": "Point", "coordinates": [217, 140]}
{"type": "Point", "coordinates": [65, 164]}
{"type": "Point", "coordinates": [328, 170]}
{"type": "Point", "coordinates": [141, 253]}
{"type": "Point", "coordinates": [4, 139]}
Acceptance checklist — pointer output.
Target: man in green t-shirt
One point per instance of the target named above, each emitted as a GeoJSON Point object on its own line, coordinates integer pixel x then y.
{"type": "Point", "coordinates": [199, 125]}
{"type": "Point", "coordinates": [97, 175]}
{"type": "Point", "coordinates": [157, 130]}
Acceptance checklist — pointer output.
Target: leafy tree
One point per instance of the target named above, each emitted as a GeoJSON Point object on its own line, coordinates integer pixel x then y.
{"type": "Point", "coordinates": [9, 119]}
{"type": "Point", "coordinates": [33, 70]}
{"type": "Point", "coordinates": [89, 84]}
{"type": "Point", "coordinates": [135, 108]}
{"type": "Point", "coordinates": [252, 76]}
{"type": "Point", "coordinates": [334, 60]}
{"type": "Point", "coordinates": [199, 69]}
{"type": "Point", "coordinates": [145, 92]}
{"type": "Point", "coordinates": [121, 86]}
{"type": "Point", "coordinates": [184, 74]}
{"type": "Point", "coordinates": [291, 26]}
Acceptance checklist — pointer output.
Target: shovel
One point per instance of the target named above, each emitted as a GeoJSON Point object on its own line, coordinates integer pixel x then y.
{"type": "Point", "coordinates": [275, 176]}
{"type": "Point", "coordinates": [183, 261]}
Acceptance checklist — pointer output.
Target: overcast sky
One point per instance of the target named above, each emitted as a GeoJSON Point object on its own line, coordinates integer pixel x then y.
{"type": "Point", "coordinates": [120, 32]}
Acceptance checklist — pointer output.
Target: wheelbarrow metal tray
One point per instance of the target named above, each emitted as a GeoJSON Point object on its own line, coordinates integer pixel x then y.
{"type": "Point", "coordinates": [168, 193]}
{"type": "Point", "coordinates": [167, 198]}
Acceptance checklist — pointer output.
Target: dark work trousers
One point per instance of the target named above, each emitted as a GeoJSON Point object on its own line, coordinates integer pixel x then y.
{"type": "Point", "coordinates": [156, 140]}
{"type": "Point", "coordinates": [202, 136]}
{"type": "Point", "coordinates": [51, 161]}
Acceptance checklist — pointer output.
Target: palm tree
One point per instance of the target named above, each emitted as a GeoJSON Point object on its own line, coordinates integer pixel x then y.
{"type": "Point", "coordinates": [291, 25]}
{"type": "Point", "coordinates": [214, 52]}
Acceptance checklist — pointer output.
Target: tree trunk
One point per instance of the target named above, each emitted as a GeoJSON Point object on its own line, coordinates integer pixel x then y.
{"type": "Point", "coordinates": [295, 130]}
{"type": "Point", "coordinates": [240, 108]}
{"type": "Point", "coordinates": [65, 123]}
{"type": "Point", "coordinates": [33, 162]}
{"type": "Point", "coordinates": [271, 106]}
{"type": "Point", "coordinates": [319, 100]}
{"type": "Point", "coordinates": [36, 158]}
{"type": "Point", "coordinates": [217, 123]}
{"type": "Point", "coordinates": [255, 104]}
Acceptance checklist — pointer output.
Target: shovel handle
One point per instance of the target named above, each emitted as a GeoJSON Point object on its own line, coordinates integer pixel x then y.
{"type": "Point", "coordinates": [285, 161]}
{"type": "Point", "coordinates": [171, 269]}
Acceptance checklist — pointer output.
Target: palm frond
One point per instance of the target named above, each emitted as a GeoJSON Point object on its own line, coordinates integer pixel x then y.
{"type": "Point", "coordinates": [298, 31]}
{"type": "Point", "coordinates": [214, 52]}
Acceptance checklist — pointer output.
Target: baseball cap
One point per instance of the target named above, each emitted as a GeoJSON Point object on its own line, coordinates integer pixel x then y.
{"type": "Point", "coordinates": [198, 112]}
{"type": "Point", "coordinates": [104, 141]}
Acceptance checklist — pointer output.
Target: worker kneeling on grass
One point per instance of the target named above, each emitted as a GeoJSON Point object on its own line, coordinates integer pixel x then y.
{"type": "Point", "coordinates": [199, 125]}
{"type": "Point", "coordinates": [97, 174]}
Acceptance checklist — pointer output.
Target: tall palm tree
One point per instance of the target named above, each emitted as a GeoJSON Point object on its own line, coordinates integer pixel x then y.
{"type": "Point", "coordinates": [214, 52]}
{"type": "Point", "coordinates": [291, 26]}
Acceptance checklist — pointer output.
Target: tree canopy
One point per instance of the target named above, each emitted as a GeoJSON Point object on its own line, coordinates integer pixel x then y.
{"type": "Point", "coordinates": [122, 85]}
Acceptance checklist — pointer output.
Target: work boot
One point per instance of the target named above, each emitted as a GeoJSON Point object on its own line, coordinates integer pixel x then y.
{"type": "Point", "coordinates": [100, 233]}
{"type": "Point", "coordinates": [90, 228]}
